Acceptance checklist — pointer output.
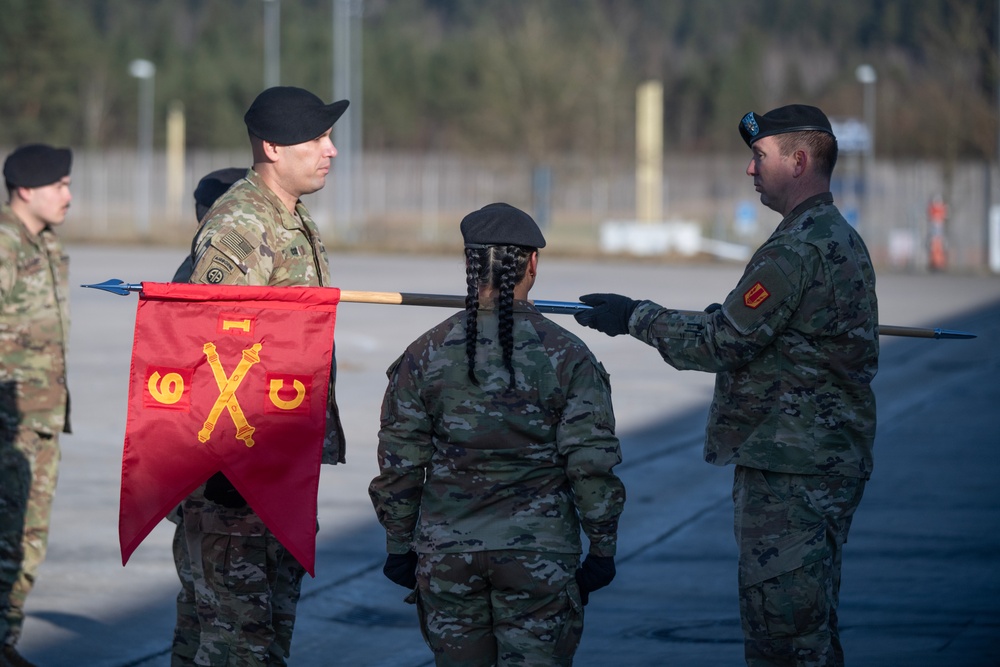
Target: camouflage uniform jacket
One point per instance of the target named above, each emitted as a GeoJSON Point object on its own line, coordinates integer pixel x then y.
{"type": "Point", "coordinates": [34, 327]}
{"type": "Point", "coordinates": [473, 468]}
{"type": "Point", "coordinates": [795, 348]}
{"type": "Point", "coordinates": [250, 238]}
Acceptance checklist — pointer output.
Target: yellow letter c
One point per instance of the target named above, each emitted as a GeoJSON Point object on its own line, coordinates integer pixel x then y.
{"type": "Point", "coordinates": [277, 385]}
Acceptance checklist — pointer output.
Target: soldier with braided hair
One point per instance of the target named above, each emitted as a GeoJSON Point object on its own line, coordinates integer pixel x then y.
{"type": "Point", "coordinates": [502, 266]}
{"type": "Point", "coordinates": [497, 447]}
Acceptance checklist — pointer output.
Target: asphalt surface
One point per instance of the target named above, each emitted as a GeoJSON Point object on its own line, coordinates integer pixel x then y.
{"type": "Point", "coordinates": [921, 578]}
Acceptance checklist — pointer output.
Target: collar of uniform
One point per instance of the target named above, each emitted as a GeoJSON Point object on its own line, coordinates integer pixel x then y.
{"type": "Point", "coordinates": [288, 219]}
{"type": "Point", "coordinates": [7, 215]}
{"type": "Point", "coordinates": [822, 198]}
{"type": "Point", "coordinates": [519, 306]}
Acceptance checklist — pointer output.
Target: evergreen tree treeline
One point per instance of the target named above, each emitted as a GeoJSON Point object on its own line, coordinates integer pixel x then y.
{"type": "Point", "coordinates": [536, 77]}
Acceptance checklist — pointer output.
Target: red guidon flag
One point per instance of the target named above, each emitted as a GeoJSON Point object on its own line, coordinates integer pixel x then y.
{"type": "Point", "coordinates": [233, 379]}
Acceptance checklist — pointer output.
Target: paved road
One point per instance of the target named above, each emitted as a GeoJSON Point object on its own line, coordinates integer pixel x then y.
{"type": "Point", "coordinates": [921, 584]}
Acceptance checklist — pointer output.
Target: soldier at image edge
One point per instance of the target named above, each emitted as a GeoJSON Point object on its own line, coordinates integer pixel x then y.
{"type": "Point", "coordinates": [34, 399]}
{"type": "Point", "coordinates": [247, 584]}
{"type": "Point", "coordinates": [497, 445]}
{"type": "Point", "coordinates": [794, 348]}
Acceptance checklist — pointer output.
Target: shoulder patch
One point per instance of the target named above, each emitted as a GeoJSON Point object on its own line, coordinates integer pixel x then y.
{"type": "Point", "coordinates": [215, 268]}
{"type": "Point", "coordinates": [756, 295]}
{"type": "Point", "coordinates": [761, 292]}
{"type": "Point", "coordinates": [238, 245]}
{"type": "Point", "coordinates": [214, 276]}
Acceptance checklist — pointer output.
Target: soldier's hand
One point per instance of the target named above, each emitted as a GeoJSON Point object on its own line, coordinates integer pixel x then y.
{"type": "Point", "coordinates": [609, 313]}
{"type": "Point", "coordinates": [596, 572]}
{"type": "Point", "coordinates": [220, 490]}
{"type": "Point", "coordinates": [401, 569]}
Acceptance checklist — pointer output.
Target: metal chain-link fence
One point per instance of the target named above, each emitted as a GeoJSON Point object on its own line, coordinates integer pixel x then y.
{"type": "Point", "coordinates": [412, 202]}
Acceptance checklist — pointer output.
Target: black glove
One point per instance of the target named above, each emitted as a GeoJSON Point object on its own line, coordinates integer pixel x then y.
{"type": "Point", "coordinates": [608, 313]}
{"type": "Point", "coordinates": [596, 572]}
{"type": "Point", "coordinates": [712, 307]}
{"type": "Point", "coordinates": [221, 491]}
{"type": "Point", "coordinates": [401, 569]}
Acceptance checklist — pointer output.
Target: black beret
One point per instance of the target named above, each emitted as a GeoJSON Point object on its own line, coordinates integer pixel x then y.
{"type": "Point", "coordinates": [35, 165]}
{"type": "Point", "coordinates": [213, 186]}
{"type": "Point", "coordinates": [791, 118]}
{"type": "Point", "coordinates": [501, 224]}
{"type": "Point", "coordinates": [287, 115]}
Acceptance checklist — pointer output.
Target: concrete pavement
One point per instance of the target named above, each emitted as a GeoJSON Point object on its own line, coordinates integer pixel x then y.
{"type": "Point", "coordinates": [921, 586]}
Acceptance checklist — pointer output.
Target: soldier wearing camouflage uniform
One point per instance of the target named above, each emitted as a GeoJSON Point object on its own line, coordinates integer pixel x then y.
{"type": "Point", "coordinates": [187, 630]}
{"type": "Point", "coordinates": [795, 349]}
{"type": "Point", "coordinates": [497, 445]}
{"type": "Point", "coordinates": [247, 585]}
{"type": "Point", "coordinates": [34, 401]}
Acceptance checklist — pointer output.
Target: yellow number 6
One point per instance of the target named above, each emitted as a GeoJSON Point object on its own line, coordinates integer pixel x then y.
{"type": "Point", "coordinates": [167, 390]}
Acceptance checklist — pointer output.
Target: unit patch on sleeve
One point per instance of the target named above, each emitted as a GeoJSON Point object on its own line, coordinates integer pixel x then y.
{"type": "Point", "coordinates": [761, 292]}
{"type": "Point", "coordinates": [756, 295]}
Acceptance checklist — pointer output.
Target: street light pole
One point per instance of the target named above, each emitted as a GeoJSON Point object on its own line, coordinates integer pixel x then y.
{"type": "Point", "coordinates": [272, 43]}
{"type": "Point", "coordinates": [867, 77]}
{"type": "Point", "coordinates": [145, 71]}
{"type": "Point", "coordinates": [347, 16]}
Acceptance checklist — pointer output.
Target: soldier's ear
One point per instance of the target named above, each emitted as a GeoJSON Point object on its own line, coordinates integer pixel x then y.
{"type": "Point", "coordinates": [800, 161]}
{"type": "Point", "coordinates": [271, 150]}
{"type": "Point", "coordinates": [24, 194]}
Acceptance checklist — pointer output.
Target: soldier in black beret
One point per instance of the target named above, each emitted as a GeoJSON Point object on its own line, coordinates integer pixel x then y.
{"type": "Point", "coordinates": [778, 134]}
{"type": "Point", "coordinates": [187, 628]}
{"type": "Point", "coordinates": [209, 189]}
{"type": "Point", "coordinates": [795, 348]}
{"type": "Point", "coordinates": [34, 399]}
{"type": "Point", "coordinates": [260, 233]}
{"type": "Point", "coordinates": [497, 436]}
{"type": "Point", "coordinates": [213, 186]}
{"type": "Point", "coordinates": [37, 178]}
{"type": "Point", "coordinates": [501, 260]}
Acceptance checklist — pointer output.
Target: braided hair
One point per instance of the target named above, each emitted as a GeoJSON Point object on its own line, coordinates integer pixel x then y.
{"type": "Point", "coordinates": [500, 267]}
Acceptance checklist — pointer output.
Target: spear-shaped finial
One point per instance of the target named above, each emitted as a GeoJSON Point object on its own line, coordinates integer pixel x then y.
{"type": "Point", "coordinates": [116, 286]}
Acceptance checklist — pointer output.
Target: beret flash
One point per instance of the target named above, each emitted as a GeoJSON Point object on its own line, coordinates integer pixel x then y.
{"type": "Point", "coordinates": [791, 118]}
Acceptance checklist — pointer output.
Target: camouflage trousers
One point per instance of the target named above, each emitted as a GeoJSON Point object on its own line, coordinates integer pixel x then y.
{"type": "Point", "coordinates": [187, 631]}
{"type": "Point", "coordinates": [791, 530]}
{"type": "Point", "coordinates": [29, 468]}
{"type": "Point", "coordinates": [501, 608]}
{"type": "Point", "coordinates": [246, 587]}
